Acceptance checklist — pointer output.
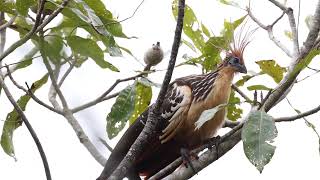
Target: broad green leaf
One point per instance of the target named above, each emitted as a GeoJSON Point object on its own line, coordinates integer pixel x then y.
{"type": "Point", "coordinates": [53, 46]}
{"type": "Point", "coordinates": [208, 115]}
{"type": "Point", "coordinates": [229, 27]}
{"type": "Point", "coordinates": [24, 5]}
{"type": "Point", "coordinates": [7, 7]}
{"type": "Point", "coordinates": [205, 30]}
{"type": "Point", "coordinates": [191, 25]}
{"type": "Point", "coordinates": [271, 68]}
{"type": "Point", "coordinates": [87, 47]}
{"type": "Point", "coordinates": [24, 63]}
{"type": "Point", "coordinates": [93, 19]}
{"type": "Point", "coordinates": [257, 133]}
{"type": "Point", "coordinates": [142, 98]}
{"type": "Point", "coordinates": [306, 61]}
{"type": "Point", "coordinates": [211, 53]}
{"type": "Point", "coordinates": [258, 87]}
{"type": "Point", "coordinates": [121, 111]}
{"type": "Point", "coordinates": [13, 120]}
{"type": "Point", "coordinates": [234, 112]}
{"type": "Point", "coordinates": [244, 79]}
{"type": "Point", "coordinates": [190, 45]}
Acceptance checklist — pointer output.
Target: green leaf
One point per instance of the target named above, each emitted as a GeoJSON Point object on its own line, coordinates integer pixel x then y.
{"type": "Point", "coordinates": [13, 120]}
{"type": "Point", "coordinates": [244, 79]}
{"type": "Point", "coordinates": [87, 47]}
{"type": "Point", "coordinates": [258, 87]}
{"type": "Point", "coordinates": [205, 30]}
{"type": "Point", "coordinates": [53, 46]}
{"type": "Point", "coordinates": [190, 45]}
{"type": "Point", "coordinates": [229, 27]}
{"type": "Point", "coordinates": [208, 115]}
{"type": "Point", "coordinates": [306, 61]}
{"type": "Point", "coordinates": [191, 25]}
{"type": "Point", "coordinates": [142, 98]}
{"type": "Point", "coordinates": [121, 111]}
{"type": "Point", "coordinates": [271, 68]}
{"type": "Point", "coordinates": [211, 52]}
{"type": "Point", "coordinates": [234, 112]}
{"type": "Point", "coordinates": [7, 7]}
{"type": "Point", "coordinates": [24, 5]}
{"type": "Point", "coordinates": [257, 133]}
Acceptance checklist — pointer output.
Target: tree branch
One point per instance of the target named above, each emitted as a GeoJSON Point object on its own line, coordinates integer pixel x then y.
{"type": "Point", "coordinates": [36, 27]}
{"type": "Point", "coordinates": [17, 107]}
{"type": "Point", "coordinates": [30, 93]}
{"type": "Point", "coordinates": [269, 29]}
{"type": "Point", "coordinates": [298, 116]}
{"type": "Point", "coordinates": [152, 123]}
{"type": "Point", "coordinates": [7, 24]}
{"type": "Point", "coordinates": [104, 96]}
{"type": "Point", "coordinates": [287, 82]}
{"type": "Point", "coordinates": [241, 93]}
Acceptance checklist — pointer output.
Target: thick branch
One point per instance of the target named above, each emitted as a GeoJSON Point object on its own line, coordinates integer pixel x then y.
{"type": "Point", "coordinates": [144, 138]}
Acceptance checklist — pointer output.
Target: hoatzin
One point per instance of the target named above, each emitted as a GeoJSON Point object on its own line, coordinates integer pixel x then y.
{"type": "Point", "coordinates": [186, 98]}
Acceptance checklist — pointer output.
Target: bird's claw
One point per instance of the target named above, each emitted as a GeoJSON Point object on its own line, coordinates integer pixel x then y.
{"type": "Point", "coordinates": [215, 141]}
{"type": "Point", "coordinates": [186, 156]}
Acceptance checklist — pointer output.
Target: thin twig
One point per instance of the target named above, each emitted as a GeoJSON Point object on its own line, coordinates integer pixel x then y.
{"type": "Point", "coordinates": [298, 116]}
{"type": "Point", "coordinates": [65, 75]}
{"type": "Point", "coordinates": [51, 74]}
{"type": "Point", "coordinates": [241, 93]}
{"type": "Point", "coordinates": [17, 107]}
{"type": "Point", "coordinates": [30, 93]}
{"type": "Point", "coordinates": [104, 142]}
{"type": "Point", "coordinates": [104, 96]}
{"type": "Point", "coordinates": [20, 42]}
{"type": "Point", "coordinates": [7, 24]}
{"type": "Point", "coordinates": [36, 27]}
{"type": "Point", "coordinates": [269, 30]}
{"type": "Point", "coordinates": [134, 12]}
{"type": "Point", "coordinates": [29, 127]}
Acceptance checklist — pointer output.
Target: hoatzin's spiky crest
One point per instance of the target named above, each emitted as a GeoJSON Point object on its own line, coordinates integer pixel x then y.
{"type": "Point", "coordinates": [186, 98]}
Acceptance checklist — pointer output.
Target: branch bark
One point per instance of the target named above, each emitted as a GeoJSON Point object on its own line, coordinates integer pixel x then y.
{"type": "Point", "coordinates": [276, 96]}
{"type": "Point", "coordinates": [151, 125]}
{"type": "Point", "coordinates": [15, 104]}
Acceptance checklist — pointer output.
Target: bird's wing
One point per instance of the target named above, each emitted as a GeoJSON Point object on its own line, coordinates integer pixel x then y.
{"type": "Point", "coordinates": [176, 103]}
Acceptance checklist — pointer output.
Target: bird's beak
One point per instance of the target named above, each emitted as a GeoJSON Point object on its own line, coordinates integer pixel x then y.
{"type": "Point", "coordinates": [241, 68]}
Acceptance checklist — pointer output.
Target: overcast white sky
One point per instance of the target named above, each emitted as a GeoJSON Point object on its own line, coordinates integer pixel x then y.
{"type": "Point", "coordinates": [297, 153]}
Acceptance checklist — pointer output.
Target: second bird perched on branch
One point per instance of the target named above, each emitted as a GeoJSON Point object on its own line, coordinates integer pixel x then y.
{"type": "Point", "coordinates": [186, 99]}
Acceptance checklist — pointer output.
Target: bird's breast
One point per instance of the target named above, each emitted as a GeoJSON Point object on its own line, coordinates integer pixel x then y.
{"type": "Point", "coordinates": [219, 94]}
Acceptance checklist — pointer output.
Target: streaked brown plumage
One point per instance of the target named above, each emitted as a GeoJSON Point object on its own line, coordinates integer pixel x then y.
{"type": "Point", "coordinates": [186, 99]}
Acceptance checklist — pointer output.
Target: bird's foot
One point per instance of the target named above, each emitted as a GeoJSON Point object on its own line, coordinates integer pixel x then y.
{"type": "Point", "coordinates": [215, 141]}
{"type": "Point", "coordinates": [187, 156]}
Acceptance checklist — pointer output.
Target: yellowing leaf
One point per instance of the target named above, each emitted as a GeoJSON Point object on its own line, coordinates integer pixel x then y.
{"type": "Point", "coordinates": [271, 68]}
